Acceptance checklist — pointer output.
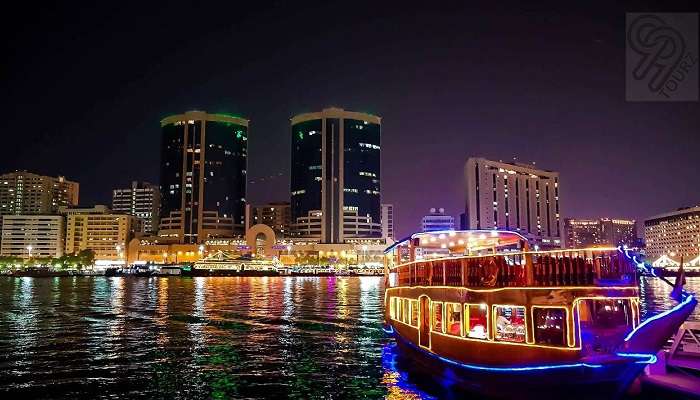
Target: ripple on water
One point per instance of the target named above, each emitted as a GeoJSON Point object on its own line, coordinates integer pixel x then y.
{"type": "Point", "coordinates": [182, 338]}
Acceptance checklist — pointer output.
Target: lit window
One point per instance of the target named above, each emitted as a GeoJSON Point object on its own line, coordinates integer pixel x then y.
{"type": "Point", "coordinates": [414, 312]}
{"type": "Point", "coordinates": [476, 321]}
{"type": "Point", "coordinates": [453, 319]}
{"type": "Point", "coordinates": [437, 317]}
{"type": "Point", "coordinates": [510, 323]}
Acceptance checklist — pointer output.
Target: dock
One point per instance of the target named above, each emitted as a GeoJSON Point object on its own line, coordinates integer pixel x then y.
{"type": "Point", "coordinates": [676, 374]}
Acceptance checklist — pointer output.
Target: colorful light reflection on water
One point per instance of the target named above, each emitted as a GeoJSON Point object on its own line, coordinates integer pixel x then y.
{"type": "Point", "coordinates": [211, 338]}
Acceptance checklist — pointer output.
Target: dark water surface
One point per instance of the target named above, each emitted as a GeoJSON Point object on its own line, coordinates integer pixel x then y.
{"type": "Point", "coordinates": [184, 338]}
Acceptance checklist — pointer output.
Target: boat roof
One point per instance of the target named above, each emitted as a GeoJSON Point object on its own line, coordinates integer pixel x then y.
{"type": "Point", "coordinates": [460, 240]}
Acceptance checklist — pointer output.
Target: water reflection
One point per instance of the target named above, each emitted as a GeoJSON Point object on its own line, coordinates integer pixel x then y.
{"type": "Point", "coordinates": [186, 338]}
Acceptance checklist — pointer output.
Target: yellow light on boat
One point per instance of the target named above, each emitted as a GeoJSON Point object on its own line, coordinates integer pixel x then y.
{"type": "Point", "coordinates": [452, 244]}
{"type": "Point", "coordinates": [452, 233]}
{"type": "Point", "coordinates": [460, 241]}
{"type": "Point", "coordinates": [432, 239]}
{"type": "Point", "coordinates": [443, 246]}
{"type": "Point", "coordinates": [482, 236]}
{"type": "Point", "coordinates": [441, 236]}
{"type": "Point", "coordinates": [494, 234]}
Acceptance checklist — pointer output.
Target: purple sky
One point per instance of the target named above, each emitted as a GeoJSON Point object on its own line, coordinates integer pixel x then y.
{"type": "Point", "coordinates": [83, 91]}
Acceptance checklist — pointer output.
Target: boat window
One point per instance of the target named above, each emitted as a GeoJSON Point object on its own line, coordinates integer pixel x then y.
{"type": "Point", "coordinates": [405, 311]}
{"type": "Point", "coordinates": [414, 312]}
{"type": "Point", "coordinates": [392, 307]}
{"type": "Point", "coordinates": [550, 325]}
{"type": "Point", "coordinates": [476, 321]}
{"type": "Point", "coordinates": [605, 314]}
{"type": "Point", "coordinates": [510, 323]}
{"type": "Point", "coordinates": [437, 317]}
{"type": "Point", "coordinates": [453, 319]}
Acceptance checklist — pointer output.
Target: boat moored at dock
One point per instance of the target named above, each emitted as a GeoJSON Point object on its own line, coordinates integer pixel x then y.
{"type": "Point", "coordinates": [482, 304]}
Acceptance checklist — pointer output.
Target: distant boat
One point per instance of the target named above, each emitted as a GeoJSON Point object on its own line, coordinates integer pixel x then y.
{"type": "Point", "coordinates": [503, 318]}
{"type": "Point", "coordinates": [225, 263]}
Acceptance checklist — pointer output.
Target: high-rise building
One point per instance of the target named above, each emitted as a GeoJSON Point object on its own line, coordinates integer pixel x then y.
{"type": "Point", "coordinates": [25, 193]}
{"type": "Point", "coordinates": [32, 236]}
{"type": "Point", "coordinates": [515, 197]}
{"type": "Point", "coordinates": [581, 233]}
{"type": "Point", "coordinates": [674, 234]}
{"type": "Point", "coordinates": [388, 221]}
{"type": "Point", "coordinates": [203, 176]}
{"type": "Point", "coordinates": [437, 220]}
{"type": "Point", "coordinates": [101, 230]}
{"type": "Point", "coordinates": [335, 182]}
{"type": "Point", "coordinates": [618, 232]}
{"type": "Point", "coordinates": [277, 216]}
{"type": "Point", "coordinates": [141, 200]}
{"type": "Point", "coordinates": [600, 232]}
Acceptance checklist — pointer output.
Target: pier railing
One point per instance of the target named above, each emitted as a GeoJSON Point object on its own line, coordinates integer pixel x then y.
{"type": "Point", "coordinates": [556, 268]}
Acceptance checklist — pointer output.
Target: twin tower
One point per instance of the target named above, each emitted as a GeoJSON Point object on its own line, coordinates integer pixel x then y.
{"type": "Point", "coordinates": [335, 176]}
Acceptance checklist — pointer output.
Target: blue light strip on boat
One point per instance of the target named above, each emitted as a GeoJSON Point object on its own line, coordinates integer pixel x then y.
{"type": "Point", "coordinates": [688, 298]}
{"type": "Point", "coordinates": [388, 331]}
{"type": "Point", "coordinates": [647, 358]}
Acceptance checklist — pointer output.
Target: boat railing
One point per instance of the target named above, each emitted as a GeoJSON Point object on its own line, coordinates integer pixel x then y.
{"type": "Point", "coordinates": [520, 269]}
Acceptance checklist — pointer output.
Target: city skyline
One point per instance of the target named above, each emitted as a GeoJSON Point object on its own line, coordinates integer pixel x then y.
{"type": "Point", "coordinates": [614, 157]}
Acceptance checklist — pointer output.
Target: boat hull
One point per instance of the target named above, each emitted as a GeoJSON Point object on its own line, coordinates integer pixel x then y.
{"type": "Point", "coordinates": [579, 382]}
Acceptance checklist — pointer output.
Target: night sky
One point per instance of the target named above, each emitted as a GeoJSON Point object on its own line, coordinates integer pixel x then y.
{"type": "Point", "coordinates": [83, 90]}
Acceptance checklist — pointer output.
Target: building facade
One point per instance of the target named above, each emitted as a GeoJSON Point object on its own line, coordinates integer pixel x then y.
{"type": "Point", "coordinates": [600, 232]}
{"type": "Point", "coordinates": [101, 230]}
{"type": "Point", "coordinates": [675, 234]}
{"type": "Point", "coordinates": [619, 232]}
{"type": "Point", "coordinates": [581, 233]}
{"type": "Point", "coordinates": [515, 197]}
{"type": "Point", "coordinates": [25, 193]}
{"type": "Point", "coordinates": [203, 176]}
{"type": "Point", "coordinates": [388, 221]}
{"type": "Point", "coordinates": [32, 236]}
{"type": "Point", "coordinates": [335, 175]}
{"type": "Point", "coordinates": [437, 220]}
{"type": "Point", "coordinates": [277, 216]}
{"type": "Point", "coordinates": [141, 200]}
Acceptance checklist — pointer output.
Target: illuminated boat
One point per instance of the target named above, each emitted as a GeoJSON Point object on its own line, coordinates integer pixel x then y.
{"type": "Point", "coordinates": [479, 306]}
{"type": "Point", "coordinates": [222, 263]}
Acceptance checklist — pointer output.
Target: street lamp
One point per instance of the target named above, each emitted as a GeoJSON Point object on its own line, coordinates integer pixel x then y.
{"type": "Point", "coordinates": [201, 250]}
{"type": "Point", "coordinates": [29, 249]}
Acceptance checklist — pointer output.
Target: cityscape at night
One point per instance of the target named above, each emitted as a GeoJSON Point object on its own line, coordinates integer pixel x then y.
{"type": "Point", "coordinates": [325, 200]}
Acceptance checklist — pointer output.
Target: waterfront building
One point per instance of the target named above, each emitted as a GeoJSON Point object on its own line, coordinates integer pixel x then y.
{"type": "Point", "coordinates": [437, 220]}
{"type": "Point", "coordinates": [581, 233]}
{"type": "Point", "coordinates": [335, 175]}
{"type": "Point", "coordinates": [277, 215]}
{"type": "Point", "coordinates": [141, 200]}
{"type": "Point", "coordinates": [619, 232]}
{"type": "Point", "coordinates": [26, 193]}
{"type": "Point", "coordinates": [32, 236]}
{"type": "Point", "coordinates": [515, 197]}
{"type": "Point", "coordinates": [203, 176]}
{"type": "Point", "coordinates": [600, 232]}
{"type": "Point", "coordinates": [388, 221]}
{"type": "Point", "coordinates": [674, 234]}
{"type": "Point", "coordinates": [290, 251]}
{"type": "Point", "coordinates": [101, 230]}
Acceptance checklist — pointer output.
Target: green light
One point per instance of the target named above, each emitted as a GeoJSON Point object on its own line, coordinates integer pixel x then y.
{"type": "Point", "coordinates": [239, 134]}
{"type": "Point", "coordinates": [301, 135]}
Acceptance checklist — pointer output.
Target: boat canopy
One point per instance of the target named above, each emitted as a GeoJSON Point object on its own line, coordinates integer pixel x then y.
{"type": "Point", "coordinates": [462, 241]}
